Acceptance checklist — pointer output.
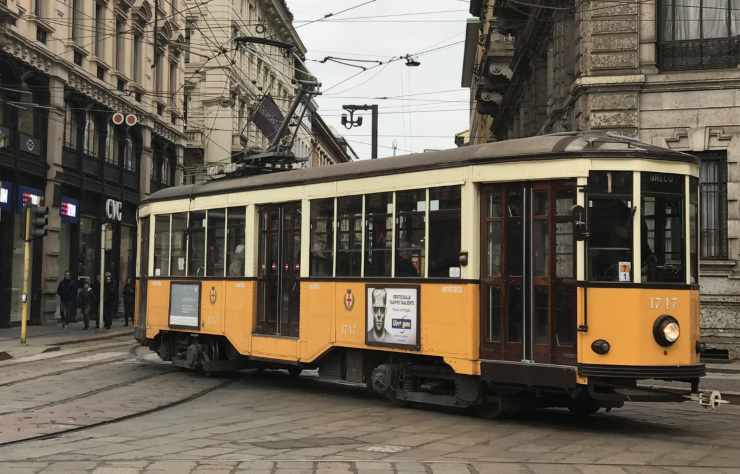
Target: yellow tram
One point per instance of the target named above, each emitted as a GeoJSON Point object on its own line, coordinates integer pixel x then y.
{"type": "Point", "coordinates": [555, 270]}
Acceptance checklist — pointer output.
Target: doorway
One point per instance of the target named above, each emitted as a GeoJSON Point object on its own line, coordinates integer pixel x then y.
{"type": "Point", "coordinates": [278, 276]}
{"type": "Point", "coordinates": [528, 281]}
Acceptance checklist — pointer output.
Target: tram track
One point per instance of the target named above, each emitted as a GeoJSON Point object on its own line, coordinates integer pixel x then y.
{"type": "Point", "coordinates": [59, 433]}
{"type": "Point", "coordinates": [57, 355]}
{"type": "Point", "coordinates": [70, 369]}
{"type": "Point", "coordinates": [42, 414]}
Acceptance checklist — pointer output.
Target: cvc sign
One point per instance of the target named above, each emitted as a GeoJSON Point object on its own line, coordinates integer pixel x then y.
{"type": "Point", "coordinates": [114, 210]}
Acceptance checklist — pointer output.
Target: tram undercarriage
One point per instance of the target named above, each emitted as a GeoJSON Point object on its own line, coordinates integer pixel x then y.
{"type": "Point", "coordinates": [409, 379]}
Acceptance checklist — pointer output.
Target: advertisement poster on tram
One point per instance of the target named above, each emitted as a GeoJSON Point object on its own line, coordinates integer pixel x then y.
{"type": "Point", "coordinates": [392, 316]}
{"type": "Point", "coordinates": [185, 305]}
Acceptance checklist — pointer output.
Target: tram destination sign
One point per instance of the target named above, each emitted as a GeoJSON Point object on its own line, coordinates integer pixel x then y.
{"type": "Point", "coordinates": [184, 305]}
{"type": "Point", "coordinates": [392, 316]}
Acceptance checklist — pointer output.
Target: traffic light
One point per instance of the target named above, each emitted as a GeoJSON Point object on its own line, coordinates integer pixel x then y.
{"type": "Point", "coordinates": [39, 219]}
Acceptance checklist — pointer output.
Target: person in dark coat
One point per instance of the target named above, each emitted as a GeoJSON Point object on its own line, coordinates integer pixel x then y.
{"type": "Point", "coordinates": [129, 296]}
{"type": "Point", "coordinates": [111, 301]}
{"type": "Point", "coordinates": [87, 302]}
{"type": "Point", "coordinates": [67, 291]}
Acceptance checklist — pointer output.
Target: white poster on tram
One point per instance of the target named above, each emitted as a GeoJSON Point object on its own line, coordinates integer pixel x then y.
{"type": "Point", "coordinates": [185, 305]}
{"type": "Point", "coordinates": [392, 316]}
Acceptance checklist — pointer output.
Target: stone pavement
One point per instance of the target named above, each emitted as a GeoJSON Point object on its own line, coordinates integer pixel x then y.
{"type": "Point", "coordinates": [272, 423]}
{"type": "Point", "coordinates": [53, 337]}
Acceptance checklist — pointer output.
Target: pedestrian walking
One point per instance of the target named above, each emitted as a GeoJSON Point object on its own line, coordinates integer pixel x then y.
{"type": "Point", "coordinates": [87, 303]}
{"type": "Point", "coordinates": [67, 291]}
{"type": "Point", "coordinates": [129, 296]}
{"type": "Point", "coordinates": [111, 301]}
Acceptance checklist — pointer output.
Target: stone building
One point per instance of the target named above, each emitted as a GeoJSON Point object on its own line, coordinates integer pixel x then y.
{"type": "Point", "coordinates": [225, 92]}
{"type": "Point", "coordinates": [66, 67]}
{"type": "Point", "coordinates": [663, 71]}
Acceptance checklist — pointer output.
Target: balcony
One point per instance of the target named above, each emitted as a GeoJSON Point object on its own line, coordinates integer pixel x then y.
{"type": "Point", "coordinates": [195, 138]}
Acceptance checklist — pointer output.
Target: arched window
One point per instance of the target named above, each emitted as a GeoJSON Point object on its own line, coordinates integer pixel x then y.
{"type": "Point", "coordinates": [91, 141]}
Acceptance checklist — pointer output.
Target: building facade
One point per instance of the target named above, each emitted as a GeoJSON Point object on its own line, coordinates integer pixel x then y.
{"type": "Point", "coordinates": [662, 71]}
{"type": "Point", "coordinates": [237, 99]}
{"type": "Point", "coordinates": [67, 70]}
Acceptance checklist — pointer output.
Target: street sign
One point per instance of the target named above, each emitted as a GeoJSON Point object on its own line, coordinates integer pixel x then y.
{"type": "Point", "coordinates": [29, 197]}
{"type": "Point", "coordinates": [114, 210]}
{"type": "Point", "coordinates": [117, 118]}
{"type": "Point", "coordinates": [69, 210]}
{"type": "Point", "coordinates": [131, 120]}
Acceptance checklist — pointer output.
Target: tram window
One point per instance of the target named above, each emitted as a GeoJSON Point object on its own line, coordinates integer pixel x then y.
{"type": "Point", "coordinates": [662, 228]}
{"type": "Point", "coordinates": [162, 245]}
{"type": "Point", "coordinates": [565, 199]}
{"type": "Point", "coordinates": [216, 237]}
{"type": "Point", "coordinates": [495, 232]}
{"type": "Point", "coordinates": [378, 228]}
{"type": "Point", "coordinates": [322, 237]}
{"type": "Point", "coordinates": [410, 229]}
{"type": "Point", "coordinates": [515, 246]}
{"type": "Point", "coordinates": [144, 254]}
{"type": "Point", "coordinates": [541, 314]}
{"type": "Point", "coordinates": [516, 314]}
{"type": "Point", "coordinates": [236, 242]}
{"type": "Point", "coordinates": [610, 216]}
{"type": "Point", "coordinates": [494, 314]}
{"type": "Point", "coordinates": [196, 243]}
{"type": "Point", "coordinates": [349, 236]}
{"type": "Point", "coordinates": [179, 243]}
{"type": "Point", "coordinates": [444, 232]}
{"type": "Point", "coordinates": [565, 314]}
{"type": "Point", "coordinates": [694, 228]}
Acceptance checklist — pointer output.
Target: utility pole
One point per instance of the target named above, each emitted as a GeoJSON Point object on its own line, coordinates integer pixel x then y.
{"type": "Point", "coordinates": [352, 122]}
{"type": "Point", "coordinates": [101, 300]}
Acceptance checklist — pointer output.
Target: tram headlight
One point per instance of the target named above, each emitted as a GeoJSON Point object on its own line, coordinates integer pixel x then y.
{"type": "Point", "coordinates": [666, 330]}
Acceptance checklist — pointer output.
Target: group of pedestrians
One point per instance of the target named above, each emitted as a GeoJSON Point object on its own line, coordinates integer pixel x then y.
{"type": "Point", "coordinates": [79, 294]}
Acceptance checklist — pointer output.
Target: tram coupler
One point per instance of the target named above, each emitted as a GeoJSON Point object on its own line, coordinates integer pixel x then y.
{"type": "Point", "coordinates": [711, 399]}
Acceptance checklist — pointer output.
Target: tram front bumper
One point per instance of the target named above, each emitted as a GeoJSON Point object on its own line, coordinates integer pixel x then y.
{"type": "Point", "coordinates": [637, 372]}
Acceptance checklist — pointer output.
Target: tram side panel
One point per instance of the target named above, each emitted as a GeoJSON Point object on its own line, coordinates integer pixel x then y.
{"type": "Point", "coordinates": [157, 307]}
{"type": "Point", "coordinates": [239, 307]}
{"type": "Point", "coordinates": [318, 331]}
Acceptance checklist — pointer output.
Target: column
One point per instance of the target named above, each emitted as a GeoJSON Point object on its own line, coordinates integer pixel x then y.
{"type": "Point", "coordinates": [50, 271]}
{"type": "Point", "coordinates": [145, 165]}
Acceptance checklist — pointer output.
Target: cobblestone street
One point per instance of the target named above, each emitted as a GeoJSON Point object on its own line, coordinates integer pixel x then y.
{"type": "Point", "coordinates": [119, 410]}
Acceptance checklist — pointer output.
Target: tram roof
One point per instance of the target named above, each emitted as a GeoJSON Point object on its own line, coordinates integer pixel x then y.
{"type": "Point", "coordinates": [552, 146]}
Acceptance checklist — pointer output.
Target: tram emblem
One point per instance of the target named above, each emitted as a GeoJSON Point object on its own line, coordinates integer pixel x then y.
{"type": "Point", "coordinates": [213, 295]}
{"type": "Point", "coordinates": [349, 300]}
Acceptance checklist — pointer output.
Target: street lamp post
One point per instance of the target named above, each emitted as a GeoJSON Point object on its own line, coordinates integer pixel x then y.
{"type": "Point", "coordinates": [352, 122]}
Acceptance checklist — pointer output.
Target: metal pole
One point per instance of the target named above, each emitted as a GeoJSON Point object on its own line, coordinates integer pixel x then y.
{"type": "Point", "coordinates": [286, 121]}
{"type": "Point", "coordinates": [102, 275]}
{"type": "Point", "coordinates": [374, 109]}
{"type": "Point", "coordinates": [26, 275]}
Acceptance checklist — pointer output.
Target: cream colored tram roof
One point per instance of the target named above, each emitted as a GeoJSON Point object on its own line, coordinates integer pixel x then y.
{"type": "Point", "coordinates": [551, 146]}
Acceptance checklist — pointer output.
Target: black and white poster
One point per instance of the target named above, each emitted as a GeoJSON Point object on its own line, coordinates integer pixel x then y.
{"type": "Point", "coordinates": [392, 316]}
{"type": "Point", "coordinates": [185, 305]}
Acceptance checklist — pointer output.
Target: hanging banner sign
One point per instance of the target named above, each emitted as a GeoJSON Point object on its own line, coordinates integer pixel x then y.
{"type": "Point", "coordinates": [268, 117]}
{"type": "Point", "coordinates": [69, 210]}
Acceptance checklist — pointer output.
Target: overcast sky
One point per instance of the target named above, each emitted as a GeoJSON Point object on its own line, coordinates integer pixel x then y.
{"type": "Point", "coordinates": [381, 30]}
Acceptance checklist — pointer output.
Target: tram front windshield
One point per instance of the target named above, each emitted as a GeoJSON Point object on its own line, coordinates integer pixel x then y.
{"type": "Point", "coordinates": [662, 227]}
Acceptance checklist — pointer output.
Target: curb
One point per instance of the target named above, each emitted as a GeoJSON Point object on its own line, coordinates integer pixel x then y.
{"type": "Point", "coordinates": [102, 337]}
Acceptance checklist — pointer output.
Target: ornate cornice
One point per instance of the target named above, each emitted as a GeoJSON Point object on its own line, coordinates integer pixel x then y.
{"type": "Point", "coordinates": [21, 49]}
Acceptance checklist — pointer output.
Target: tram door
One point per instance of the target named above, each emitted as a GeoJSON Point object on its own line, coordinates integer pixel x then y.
{"type": "Point", "coordinates": [528, 272]}
{"type": "Point", "coordinates": [278, 278]}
